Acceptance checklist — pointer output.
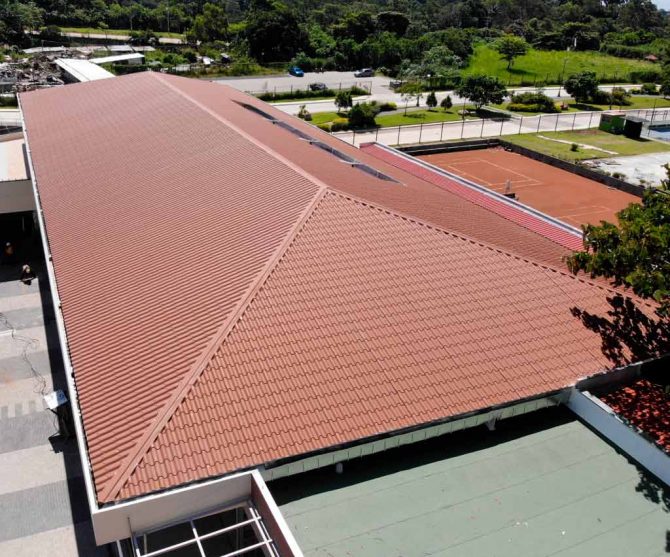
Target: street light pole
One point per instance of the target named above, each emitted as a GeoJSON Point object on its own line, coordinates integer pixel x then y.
{"type": "Point", "coordinates": [560, 82]}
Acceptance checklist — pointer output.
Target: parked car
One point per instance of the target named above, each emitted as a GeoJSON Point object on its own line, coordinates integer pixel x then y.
{"type": "Point", "coordinates": [296, 71]}
{"type": "Point", "coordinates": [365, 72]}
{"type": "Point", "coordinates": [317, 87]}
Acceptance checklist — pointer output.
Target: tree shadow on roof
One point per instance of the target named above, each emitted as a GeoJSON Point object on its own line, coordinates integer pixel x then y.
{"type": "Point", "coordinates": [628, 334]}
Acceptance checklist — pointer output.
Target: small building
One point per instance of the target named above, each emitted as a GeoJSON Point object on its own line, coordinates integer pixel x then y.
{"type": "Point", "coordinates": [44, 50]}
{"type": "Point", "coordinates": [133, 58]}
{"type": "Point", "coordinates": [75, 70]}
{"type": "Point", "coordinates": [16, 192]}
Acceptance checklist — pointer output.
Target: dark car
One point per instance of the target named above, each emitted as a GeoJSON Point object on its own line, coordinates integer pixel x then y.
{"type": "Point", "coordinates": [296, 71]}
{"type": "Point", "coordinates": [365, 72]}
{"type": "Point", "coordinates": [317, 87]}
{"type": "Point", "coordinates": [395, 84]}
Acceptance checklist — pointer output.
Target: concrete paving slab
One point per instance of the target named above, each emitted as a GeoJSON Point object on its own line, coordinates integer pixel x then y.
{"type": "Point", "coordinates": [58, 542]}
{"type": "Point", "coordinates": [639, 169]}
{"type": "Point", "coordinates": [539, 486]}
{"type": "Point", "coordinates": [34, 467]}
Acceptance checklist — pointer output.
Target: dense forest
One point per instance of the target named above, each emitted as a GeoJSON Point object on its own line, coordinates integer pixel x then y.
{"type": "Point", "coordinates": [429, 36]}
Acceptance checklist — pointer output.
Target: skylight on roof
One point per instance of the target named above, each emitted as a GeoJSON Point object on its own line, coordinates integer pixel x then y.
{"type": "Point", "coordinates": [321, 145]}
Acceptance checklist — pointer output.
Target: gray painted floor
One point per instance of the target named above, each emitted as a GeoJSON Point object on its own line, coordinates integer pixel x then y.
{"type": "Point", "coordinates": [545, 486]}
{"type": "Point", "coordinates": [43, 507]}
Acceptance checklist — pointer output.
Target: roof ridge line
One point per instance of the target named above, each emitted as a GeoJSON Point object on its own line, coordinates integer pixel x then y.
{"type": "Point", "coordinates": [428, 224]}
{"type": "Point", "coordinates": [123, 472]}
{"type": "Point", "coordinates": [136, 455]}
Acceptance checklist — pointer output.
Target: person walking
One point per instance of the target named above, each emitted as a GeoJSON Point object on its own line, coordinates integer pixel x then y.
{"type": "Point", "coordinates": [27, 275]}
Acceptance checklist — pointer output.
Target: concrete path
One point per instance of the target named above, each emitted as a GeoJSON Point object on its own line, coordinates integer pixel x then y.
{"type": "Point", "coordinates": [43, 506]}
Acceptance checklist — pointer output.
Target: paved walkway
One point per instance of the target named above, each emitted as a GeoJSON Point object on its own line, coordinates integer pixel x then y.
{"type": "Point", "coordinates": [43, 506]}
{"type": "Point", "coordinates": [545, 487]}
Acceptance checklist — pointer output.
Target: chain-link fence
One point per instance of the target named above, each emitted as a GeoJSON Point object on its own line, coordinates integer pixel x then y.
{"type": "Point", "coordinates": [492, 127]}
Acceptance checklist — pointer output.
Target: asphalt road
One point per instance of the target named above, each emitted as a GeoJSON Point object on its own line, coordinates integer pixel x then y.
{"type": "Point", "coordinates": [334, 80]}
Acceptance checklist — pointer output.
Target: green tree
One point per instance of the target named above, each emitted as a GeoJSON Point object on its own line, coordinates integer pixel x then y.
{"type": "Point", "coordinates": [431, 100]}
{"type": "Point", "coordinates": [481, 90]}
{"type": "Point", "coordinates": [273, 32]}
{"type": "Point", "coordinates": [582, 86]}
{"type": "Point", "coordinates": [362, 115]}
{"type": "Point", "coordinates": [410, 91]}
{"type": "Point", "coordinates": [393, 22]}
{"type": "Point", "coordinates": [511, 46]}
{"type": "Point", "coordinates": [211, 25]}
{"type": "Point", "coordinates": [343, 100]}
{"type": "Point", "coordinates": [634, 254]}
{"type": "Point", "coordinates": [446, 103]}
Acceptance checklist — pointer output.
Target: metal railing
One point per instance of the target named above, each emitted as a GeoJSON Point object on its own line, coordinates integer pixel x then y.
{"type": "Point", "coordinates": [491, 127]}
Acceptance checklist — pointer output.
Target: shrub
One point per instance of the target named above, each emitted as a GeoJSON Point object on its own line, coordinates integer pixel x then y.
{"type": "Point", "coordinates": [325, 127]}
{"type": "Point", "coordinates": [649, 89]}
{"type": "Point", "coordinates": [532, 102]}
{"type": "Point", "coordinates": [8, 100]}
{"type": "Point", "coordinates": [645, 76]}
{"type": "Point", "coordinates": [446, 103]}
{"type": "Point", "coordinates": [362, 115]}
{"type": "Point", "coordinates": [388, 106]}
{"type": "Point", "coordinates": [574, 147]}
{"type": "Point", "coordinates": [355, 90]}
{"type": "Point", "coordinates": [339, 124]}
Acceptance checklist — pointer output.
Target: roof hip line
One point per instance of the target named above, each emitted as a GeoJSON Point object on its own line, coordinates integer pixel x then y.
{"type": "Point", "coordinates": [135, 455]}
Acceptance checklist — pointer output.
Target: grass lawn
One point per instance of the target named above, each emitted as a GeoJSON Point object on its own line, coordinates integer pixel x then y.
{"type": "Point", "coordinates": [618, 143]}
{"type": "Point", "coordinates": [423, 116]}
{"type": "Point", "coordinates": [324, 117]}
{"type": "Point", "coordinates": [93, 30]}
{"type": "Point", "coordinates": [547, 65]}
{"type": "Point", "coordinates": [413, 117]}
{"type": "Point", "coordinates": [637, 103]}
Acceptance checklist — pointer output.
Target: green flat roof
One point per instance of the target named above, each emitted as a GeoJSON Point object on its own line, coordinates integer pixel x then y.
{"type": "Point", "coordinates": [539, 485]}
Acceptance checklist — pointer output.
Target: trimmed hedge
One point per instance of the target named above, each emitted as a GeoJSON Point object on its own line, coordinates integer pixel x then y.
{"type": "Point", "coordinates": [307, 94]}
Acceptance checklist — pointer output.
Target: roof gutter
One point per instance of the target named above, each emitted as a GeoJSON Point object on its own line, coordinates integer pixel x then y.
{"type": "Point", "coordinates": [62, 333]}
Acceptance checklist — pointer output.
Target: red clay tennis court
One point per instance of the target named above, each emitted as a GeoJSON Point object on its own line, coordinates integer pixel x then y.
{"type": "Point", "coordinates": [559, 193]}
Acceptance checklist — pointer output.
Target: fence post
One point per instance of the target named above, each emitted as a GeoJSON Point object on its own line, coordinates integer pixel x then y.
{"type": "Point", "coordinates": [520, 124]}
{"type": "Point", "coordinates": [354, 138]}
{"type": "Point", "coordinates": [441, 131]}
{"type": "Point", "coordinates": [481, 131]}
{"type": "Point", "coordinates": [463, 126]}
{"type": "Point", "coordinates": [420, 131]}
{"type": "Point", "coordinates": [539, 121]}
{"type": "Point", "coordinates": [590, 118]}
{"type": "Point", "coordinates": [398, 136]}
{"type": "Point", "coordinates": [574, 117]}
{"type": "Point", "coordinates": [376, 134]}
{"type": "Point", "coordinates": [556, 125]}
{"type": "Point", "coordinates": [502, 125]}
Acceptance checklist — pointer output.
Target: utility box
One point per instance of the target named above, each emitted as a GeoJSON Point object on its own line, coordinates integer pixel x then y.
{"type": "Point", "coordinates": [612, 123]}
{"type": "Point", "coordinates": [632, 128]}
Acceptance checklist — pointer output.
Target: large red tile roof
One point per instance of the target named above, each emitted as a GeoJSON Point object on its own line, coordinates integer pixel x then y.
{"type": "Point", "coordinates": [233, 294]}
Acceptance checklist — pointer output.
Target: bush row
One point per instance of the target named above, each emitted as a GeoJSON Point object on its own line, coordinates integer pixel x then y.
{"type": "Point", "coordinates": [308, 94]}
